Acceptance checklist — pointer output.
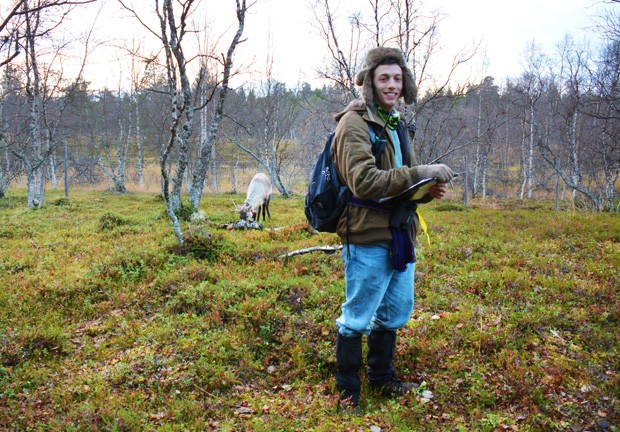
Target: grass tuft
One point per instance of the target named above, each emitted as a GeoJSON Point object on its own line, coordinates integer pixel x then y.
{"type": "Point", "coordinates": [109, 221]}
{"type": "Point", "coordinates": [450, 207]}
{"type": "Point", "coordinates": [200, 245]}
{"type": "Point", "coordinates": [62, 202]}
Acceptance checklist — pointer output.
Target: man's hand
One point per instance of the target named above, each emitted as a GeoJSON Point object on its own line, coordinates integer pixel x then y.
{"type": "Point", "coordinates": [443, 173]}
{"type": "Point", "coordinates": [438, 191]}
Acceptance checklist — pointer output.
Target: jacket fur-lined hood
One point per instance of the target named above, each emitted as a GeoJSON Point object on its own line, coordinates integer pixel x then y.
{"type": "Point", "coordinates": [354, 105]}
{"type": "Point", "coordinates": [373, 59]}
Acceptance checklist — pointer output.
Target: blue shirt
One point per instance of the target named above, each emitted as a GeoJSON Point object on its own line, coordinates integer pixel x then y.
{"type": "Point", "coordinates": [398, 154]}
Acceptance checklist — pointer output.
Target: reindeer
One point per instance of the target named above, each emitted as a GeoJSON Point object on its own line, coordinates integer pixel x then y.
{"type": "Point", "coordinates": [257, 199]}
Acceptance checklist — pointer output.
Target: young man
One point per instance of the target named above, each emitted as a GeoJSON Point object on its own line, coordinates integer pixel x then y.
{"type": "Point", "coordinates": [378, 252]}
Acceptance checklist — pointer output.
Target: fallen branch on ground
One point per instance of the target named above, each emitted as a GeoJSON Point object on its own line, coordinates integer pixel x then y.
{"type": "Point", "coordinates": [242, 224]}
{"type": "Point", "coordinates": [250, 225]}
{"type": "Point", "coordinates": [326, 249]}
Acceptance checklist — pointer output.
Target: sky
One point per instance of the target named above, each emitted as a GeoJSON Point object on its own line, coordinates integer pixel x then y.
{"type": "Point", "coordinates": [287, 29]}
{"type": "Point", "coordinates": [506, 27]}
{"type": "Point", "coordinates": [503, 28]}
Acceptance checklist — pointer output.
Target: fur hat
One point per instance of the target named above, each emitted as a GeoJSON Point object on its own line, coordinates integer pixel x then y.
{"type": "Point", "coordinates": [373, 59]}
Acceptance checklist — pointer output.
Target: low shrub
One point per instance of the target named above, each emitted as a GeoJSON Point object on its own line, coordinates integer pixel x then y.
{"type": "Point", "coordinates": [108, 221]}
{"type": "Point", "coordinates": [62, 202]}
{"type": "Point", "coordinates": [449, 207]}
{"type": "Point", "coordinates": [185, 212]}
{"type": "Point", "coordinates": [200, 245]}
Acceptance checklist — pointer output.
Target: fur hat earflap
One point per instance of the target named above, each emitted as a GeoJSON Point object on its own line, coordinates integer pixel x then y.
{"type": "Point", "coordinates": [374, 58]}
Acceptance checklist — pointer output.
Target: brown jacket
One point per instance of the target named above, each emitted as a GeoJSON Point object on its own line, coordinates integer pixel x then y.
{"type": "Point", "coordinates": [356, 167]}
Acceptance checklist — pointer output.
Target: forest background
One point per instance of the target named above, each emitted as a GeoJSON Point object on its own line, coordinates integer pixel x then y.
{"type": "Point", "coordinates": [109, 321]}
{"type": "Point", "coordinates": [183, 120]}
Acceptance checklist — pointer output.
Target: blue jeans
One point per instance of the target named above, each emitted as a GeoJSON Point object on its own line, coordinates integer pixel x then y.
{"type": "Point", "coordinates": [377, 296]}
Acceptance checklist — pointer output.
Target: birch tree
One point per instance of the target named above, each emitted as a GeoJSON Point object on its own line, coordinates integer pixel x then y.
{"type": "Point", "coordinates": [345, 54]}
{"type": "Point", "coordinates": [488, 121]}
{"type": "Point", "coordinates": [173, 20]}
{"type": "Point", "coordinates": [6, 165]}
{"type": "Point", "coordinates": [43, 86]}
{"type": "Point", "coordinates": [606, 111]}
{"type": "Point", "coordinates": [8, 102]}
{"type": "Point", "coordinates": [171, 33]}
{"type": "Point", "coordinates": [531, 86]}
{"type": "Point", "coordinates": [13, 20]}
{"type": "Point", "coordinates": [34, 155]}
{"type": "Point", "coordinates": [605, 114]}
{"type": "Point", "coordinates": [111, 136]}
{"type": "Point", "coordinates": [208, 145]}
{"type": "Point", "coordinates": [128, 119]}
{"type": "Point", "coordinates": [270, 119]}
{"type": "Point", "coordinates": [588, 161]}
{"type": "Point", "coordinates": [137, 59]}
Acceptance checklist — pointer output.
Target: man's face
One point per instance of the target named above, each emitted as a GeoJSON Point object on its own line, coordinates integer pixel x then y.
{"type": "Point", "coordinates": [388, 85]}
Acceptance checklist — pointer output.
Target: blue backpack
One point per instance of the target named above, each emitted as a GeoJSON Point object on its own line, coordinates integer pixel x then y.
{"type": "Point", "coordinates": [327, 197]}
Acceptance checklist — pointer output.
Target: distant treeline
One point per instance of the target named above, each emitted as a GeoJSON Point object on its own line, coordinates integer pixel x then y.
{"type": "Point", "coordinates": [553, 129]}
{"type": "Point", "coordinates": [530, 138]}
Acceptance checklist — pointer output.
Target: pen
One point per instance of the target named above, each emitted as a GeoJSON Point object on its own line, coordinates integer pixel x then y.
{"type": "Point", "coordinates": [455, 176]}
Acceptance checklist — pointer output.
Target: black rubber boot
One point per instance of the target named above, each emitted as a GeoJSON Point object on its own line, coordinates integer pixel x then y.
{"type": "Point", "coordinates": [348, 363]}
{"type": "Point", "coordinates": [381, 373]}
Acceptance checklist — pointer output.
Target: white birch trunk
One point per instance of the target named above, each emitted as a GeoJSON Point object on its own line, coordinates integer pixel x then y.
{"type": "Point", "coordinates": [483, 177]}
{"type": "Point", "coordinates": [118, 175]}
{"type": "Point", "coordinates": [125, 150]}
{"type": "Point", "coordinates": [523, 165]}
{"type": "Point", "coordinates": [214, 185]}
{"type": "Point", "coordinates": [140, 162]}
{"type": "Point", "coordinates": [34, 188]}
{"type": "Point", "coordinates": [465, 182]}
{"type": "Point", "coordinates": [3, 180]}
{"type": "Point", "coordinates": [478, 157]}
{"type": "Point", "coordinates": [574, 158]}
{"type": "Point", "coordinates": [52, 162]}
{"type": "Point", "coordinates": [34, 165]}
{"type": "Point", "coordinates": [530, 156]}
{"type": "Point", "coordinates": [66, 166]}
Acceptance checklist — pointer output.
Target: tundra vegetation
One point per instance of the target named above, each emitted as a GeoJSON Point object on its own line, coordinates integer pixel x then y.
{"type": "Point", "coordinates": [107, 322]}
{"type": "Point", "coordinates": [110, 320]}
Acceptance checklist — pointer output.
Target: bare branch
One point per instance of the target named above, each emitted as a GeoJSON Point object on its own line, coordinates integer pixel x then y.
{"type": "Point", "coordinates": [326, 249]}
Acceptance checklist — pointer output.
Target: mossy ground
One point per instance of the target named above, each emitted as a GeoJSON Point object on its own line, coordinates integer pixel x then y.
{"type": "Point", "coordinates": [106, 325]}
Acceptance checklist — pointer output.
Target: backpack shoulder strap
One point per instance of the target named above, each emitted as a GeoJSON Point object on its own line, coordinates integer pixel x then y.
{"type": "Point", "coordinates": [403, 135]}
{"type": "Point", "coordinates": [377, 143]}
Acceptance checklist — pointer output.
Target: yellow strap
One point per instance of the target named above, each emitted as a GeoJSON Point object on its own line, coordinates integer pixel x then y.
{"type": "Point", "coordinates": [423, 225]}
